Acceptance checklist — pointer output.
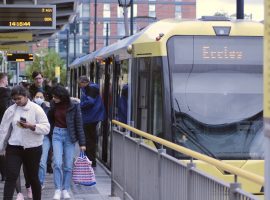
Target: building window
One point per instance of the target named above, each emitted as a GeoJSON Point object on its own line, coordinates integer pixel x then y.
{"type": "Point", "coordinates": [152, 10]}
{"type": "Point", "coordinates": [120, 11]}
{"type": "Point", "coordinates": [62, 46]}
{"type": "Point", "coordinates": [106, 10]}
{"type": "Point", "coordinates": [178, 11]}
{"type": "Point", "coordinates": [85, 46]}
{"type": "Point", "coordinates": [105, 28]}
{"type": "Point", "coordinates": [121, 29]}
{"type": "Point", "coordinates": [85, 28]}
{"type": "Point", "coordinates": [86, 10]}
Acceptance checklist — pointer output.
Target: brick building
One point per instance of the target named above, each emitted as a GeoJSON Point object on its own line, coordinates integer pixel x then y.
{"type": "Point", "coordinates": [110, 15]}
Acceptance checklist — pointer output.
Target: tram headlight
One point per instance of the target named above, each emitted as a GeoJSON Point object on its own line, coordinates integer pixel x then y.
{"type": "Point", "coordinates": [129, 49]}
{"type": "Point", "coordinates": [222, 31]}
{"type": "Point", "coordinates": [160, 35]}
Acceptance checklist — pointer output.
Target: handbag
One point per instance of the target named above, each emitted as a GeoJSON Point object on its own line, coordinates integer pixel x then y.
{"type": "Point", "coordinates": [4, 137]}
{"type": "Point", "coordinates": [83, 173]}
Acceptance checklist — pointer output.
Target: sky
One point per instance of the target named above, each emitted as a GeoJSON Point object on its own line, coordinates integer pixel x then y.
{"type": "Point", "coordinates": [210, 7]}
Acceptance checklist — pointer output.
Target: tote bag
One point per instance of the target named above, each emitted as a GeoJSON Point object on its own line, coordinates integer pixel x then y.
{"type": "Point", "coordinates": [83, 173]}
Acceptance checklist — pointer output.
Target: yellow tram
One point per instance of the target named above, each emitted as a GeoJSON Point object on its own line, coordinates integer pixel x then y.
{"type": "Point", "coordinates": [197, 83]}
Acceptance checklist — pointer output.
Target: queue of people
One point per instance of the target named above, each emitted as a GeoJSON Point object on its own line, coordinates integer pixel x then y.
{"type": "Point", "coordinates": [42, 117]}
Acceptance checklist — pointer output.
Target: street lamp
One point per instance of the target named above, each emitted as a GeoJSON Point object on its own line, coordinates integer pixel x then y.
{"type": "Point", "coordinates": [125, 4]}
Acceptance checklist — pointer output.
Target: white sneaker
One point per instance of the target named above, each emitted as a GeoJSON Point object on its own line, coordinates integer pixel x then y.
{"type": "Point", "coordinates": [66, 195]}
{"type": "Point", "coordinates": [57, 195]}
{"type": "Point", "coordinates": [29, 193]}
{"type": "Point", "coordinates": [19, 196]}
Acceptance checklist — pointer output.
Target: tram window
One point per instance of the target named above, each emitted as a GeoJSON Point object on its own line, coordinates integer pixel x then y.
{"type": "Point", "coordinates": [92, 72]}
{"type": "Point", "coordinates": [122, 93]}
{"type": "Point", "coordinates": [149, 111]}
{"type": "Point", "coordinates": [218, 91]}
{"type": "Point", "coordinates": [156, 102]}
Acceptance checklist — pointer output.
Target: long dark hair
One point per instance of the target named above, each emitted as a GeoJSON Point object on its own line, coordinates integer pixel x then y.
{"type": "Point", "coordinates": [61, 93]}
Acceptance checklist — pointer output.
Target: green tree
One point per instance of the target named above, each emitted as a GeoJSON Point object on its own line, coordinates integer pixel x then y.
{"type": "Point", "coordinates": [50, 60]}
{"type": "Point", "coordinates": [221, 13]}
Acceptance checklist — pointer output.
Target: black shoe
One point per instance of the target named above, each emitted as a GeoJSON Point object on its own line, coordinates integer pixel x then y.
{"type": "Point", "coordinates": [94, 164]}
{"type": "Point", "coordinates": [49, 169]}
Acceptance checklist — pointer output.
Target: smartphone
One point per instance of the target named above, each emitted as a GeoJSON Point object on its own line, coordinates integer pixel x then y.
{"type": "Point", "coordinates": [22, 119]}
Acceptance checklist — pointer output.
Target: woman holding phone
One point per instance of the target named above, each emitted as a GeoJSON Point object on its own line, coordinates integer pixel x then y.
{"type": "Point", "coordinates": [29, 125]}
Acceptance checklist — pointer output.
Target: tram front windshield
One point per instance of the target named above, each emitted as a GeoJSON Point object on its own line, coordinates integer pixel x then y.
{"type": "Point", "coordinates": [217, 89]}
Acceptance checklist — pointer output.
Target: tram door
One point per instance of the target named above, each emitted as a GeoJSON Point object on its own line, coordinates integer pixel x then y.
{"type": "Point", "coordinates": [105, 83]}
{"type": "Point", "coordinates": [114, 91]}
{"type": "Point", "coordinates": [148, 96]}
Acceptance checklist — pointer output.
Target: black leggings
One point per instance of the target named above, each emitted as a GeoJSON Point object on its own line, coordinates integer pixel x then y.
{"type": "Point", "coordinates": [91, 141]}
{"type": "Point", "coordinates": [2, 166]}
{"type": "Point", "coordinates": [15, 157]}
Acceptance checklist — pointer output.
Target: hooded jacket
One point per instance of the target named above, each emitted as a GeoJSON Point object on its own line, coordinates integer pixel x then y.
{"type": "Point", "coordinates": [91, 104]}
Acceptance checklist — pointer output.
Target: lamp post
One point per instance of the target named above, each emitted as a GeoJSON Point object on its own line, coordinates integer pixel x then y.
{"type": "Point", "coordinates": [74, 28]}
{"type": "Point", "coordinates": [67, 60]}
{"type": "Point", "coordinates": [125, 4]}
{"type": "Point", "coordinates": [95, 27]}
{"type": "Point", "coordinates": [41, 55]}
{"type": "Point", "coordinates": [131, 16]}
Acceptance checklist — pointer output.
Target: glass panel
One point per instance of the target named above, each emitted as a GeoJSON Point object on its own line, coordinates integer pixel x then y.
{"type": "Point", "coordinates": [121, 29]}
{"type": "Point", "coordinates": [105, 28]}
{"type": "Point", "coordinates": [152, 10]}
{"type": "Point", "coordinates": [156, 103]}
{"type": "Point", "coordinates": [85, 47]}
{"type": "Point", "coordinates": [86, 10]}
{"type": "Point", "coordinates": [178, 11]}
{"type": "Point", "coordinates": [217, 90]}
{"type": "Point", "coordinates": [106, 10]}
{"type": "Point", "coordinates": [123, 92]}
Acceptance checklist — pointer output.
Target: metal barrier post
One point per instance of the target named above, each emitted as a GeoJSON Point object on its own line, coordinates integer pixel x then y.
{"type": "Point", "coordinates": [189, 178]}
{"type": "Point", "coordinates": [233, 191]}
{"type": "Point", "coordinates": [138, 168]}
{"type": "Point", "coordinates": [113, 186]}
{"type": "Point", "coordinates": [125, 170]}
{"type": "Point", "coordinates": [160, 151]}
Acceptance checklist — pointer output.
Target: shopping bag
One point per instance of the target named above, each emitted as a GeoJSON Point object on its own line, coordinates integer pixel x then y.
{"type": "Point", "coordinates": [83, 173]}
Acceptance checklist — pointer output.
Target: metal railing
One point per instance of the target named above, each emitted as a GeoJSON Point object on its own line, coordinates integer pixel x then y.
{"type": "Point", "coordinates": [143, 173]}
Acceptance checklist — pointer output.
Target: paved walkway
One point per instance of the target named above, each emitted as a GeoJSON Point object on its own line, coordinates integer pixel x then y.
{"type": "Point", "coordinates": [101, 191]}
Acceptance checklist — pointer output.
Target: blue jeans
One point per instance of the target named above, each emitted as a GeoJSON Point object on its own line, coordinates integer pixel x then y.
{"type": "Point", "coordinates": [43, 161]}
{"type": "Point", "coordinates": [63, 150]}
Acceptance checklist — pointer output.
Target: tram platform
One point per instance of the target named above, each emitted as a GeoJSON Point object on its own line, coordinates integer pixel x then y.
{"type": "Point", "coordinates": [101, 191]}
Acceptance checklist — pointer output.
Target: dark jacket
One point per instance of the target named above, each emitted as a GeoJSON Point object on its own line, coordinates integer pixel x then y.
{"type": "Point", "coordinates": [45, 89]}
{"type": "Point", "coordinates": [5, 100]}
{"type": "Point", "coordinates": [91, 103]}
{"type": "Point", "coordinates": [74, 122]}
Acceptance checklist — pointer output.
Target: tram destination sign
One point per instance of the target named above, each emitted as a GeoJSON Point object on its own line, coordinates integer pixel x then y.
{"type": "Point", "coordinates": [27, 17]}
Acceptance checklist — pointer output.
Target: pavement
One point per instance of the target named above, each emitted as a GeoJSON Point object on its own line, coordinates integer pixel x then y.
{"type": "Point", "coordinates": [100, 191]}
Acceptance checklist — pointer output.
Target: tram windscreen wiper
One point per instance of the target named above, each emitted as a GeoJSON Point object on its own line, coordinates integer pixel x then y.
{"type": "Point", "coordinates": [190, 136]}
